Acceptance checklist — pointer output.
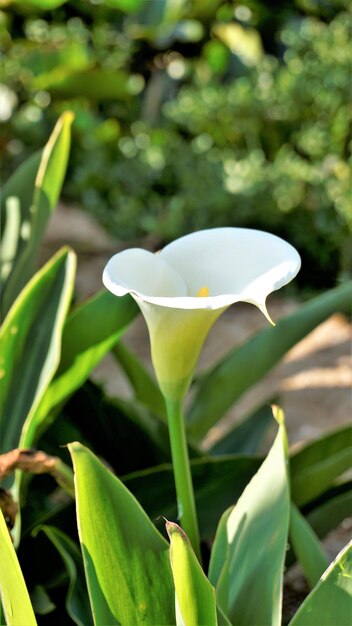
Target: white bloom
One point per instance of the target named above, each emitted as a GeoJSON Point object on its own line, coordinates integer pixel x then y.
{"type": "Point", "coordinates": [184, 288]}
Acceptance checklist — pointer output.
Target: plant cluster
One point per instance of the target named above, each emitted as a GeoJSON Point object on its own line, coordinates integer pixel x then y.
{"type": "Point", "coordinates": [92, 548]}
{"type": "Point", "coordinates": [193, 116]}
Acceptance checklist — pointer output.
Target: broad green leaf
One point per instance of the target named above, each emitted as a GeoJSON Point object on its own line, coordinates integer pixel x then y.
{"type": "Point", "coordinates": [220, 387]}
{"type": "Point", "coordinates": [39, 205]}
{"type": "Point", "coordinates": [31, 337]}
{"type": "Point", "coordinates": [254, 553]}
{"type": "Point", "coordinates": [246, 436]}
{"type": "Point", "coordinates": [218, 483]}
{"type": "Point", "coordinates": [145, 387]}
{"type": "Point", "coordinates": [90, 331]}
{"type": "Point", "coordinates": [125, 558]}
{"type": "Point", "coordinates": [315, 467]}
{"type": "Point", "coordinates": [195, 595]}
{"type": "Point", "coordinates": [14, 595]}
{"type": "Point", "coordinates": [330, 602]}
{"type": "Point", "coordinates": [77, 602]}
{"type": "Point", "coordinates": [307, 547]}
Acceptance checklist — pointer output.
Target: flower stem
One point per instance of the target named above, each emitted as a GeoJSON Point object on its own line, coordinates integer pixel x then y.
{"type": "Point", "coordinates": [182, 473]}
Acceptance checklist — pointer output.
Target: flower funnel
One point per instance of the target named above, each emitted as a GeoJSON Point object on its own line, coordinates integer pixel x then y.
{"type": "Point", "coordinates": [184, 288]}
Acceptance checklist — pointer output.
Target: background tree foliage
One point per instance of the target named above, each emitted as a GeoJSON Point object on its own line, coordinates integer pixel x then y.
{"type": "Point", "coordinates": [192, 114]}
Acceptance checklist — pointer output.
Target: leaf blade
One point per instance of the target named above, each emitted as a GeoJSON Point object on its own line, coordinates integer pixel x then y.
{"type": "Point", "coordinates": [31, 335]}
{"type": "Point", "coordinates": [254, 555]}
{"type": "Point", "coordinates": [14, 595]}
{"type": "Point", "coordinates": [331, 600]}
{"type": "Point", "coordinates": [117, 536]}
{"type": "Point", "coordinates": [195, 594]}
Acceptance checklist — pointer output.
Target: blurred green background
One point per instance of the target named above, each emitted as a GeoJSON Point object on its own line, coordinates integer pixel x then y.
{"type": "Point", "coordinates": [191, 114]}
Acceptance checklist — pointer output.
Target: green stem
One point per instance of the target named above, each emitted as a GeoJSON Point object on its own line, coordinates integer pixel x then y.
{"type": "Point", "coordinates": [183, 479]}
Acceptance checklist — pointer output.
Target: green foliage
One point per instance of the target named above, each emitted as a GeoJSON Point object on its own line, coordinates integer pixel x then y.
{"type": "Point", "coordinates": [122, 573]}
{"type": "Point", "coordinates": [14, 595]}
{"type": "Point", "coordinates": [29, 198]}
{"type": "Point", "coordinates": [194, 594]}
{"type": "Point", "coordinates": [249, 549]}
{"type": "Point", "coordinates": [235, 115]}
{"type": "Point", "coordinates": [219, 388]}
{"type": "Point", "coordinates": [30, 336]}
{"type": "Point", "coordinates": [122, 551]}
{"type": "Point", "coordinates": [330, 601]}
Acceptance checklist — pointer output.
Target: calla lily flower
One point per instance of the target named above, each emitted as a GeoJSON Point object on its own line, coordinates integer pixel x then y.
{"type": "Point", "coordinates": [185, 287]}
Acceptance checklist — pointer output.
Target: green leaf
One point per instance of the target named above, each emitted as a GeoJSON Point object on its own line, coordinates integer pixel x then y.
{"type": "Point", "coordinates": [195, 595]}
{"type": "Point", "coordinates": [220, 387]}
{"type": "Point", "coordinates": [31, 336]}
{"type": "Point", "coordinates": [44, 5]}
{"type": "Point", "coordinates": [125, 558]}
{"type": "Point", "coordinates": [246, 436]}
{"type": "Point", "coordinates": [36, 207]}
{"type": "Point", "coordinates": [219, 481]}
{"type": "Point", "coordinates": [307, 547]}
{"type": "Point", "coordinates": [254, 551]}
{"type": "Point", "coordinates": [90, 331]}
{"type": "Point", "coordinates": [336, 506]}
{"type": "Point", "coordinates": [15, 211]}
{"type": "Point", "coordinates": [316, 465]}
{"type": "Point", "coordinates": [330, 602]}
{"type": "Point", "coordinates": [145, 387]}
{"type": "Point", "coordinates": [14, 595]}
{"type": "Point", "coordinates": [77, 602]}
{"type": "Point", "coordinates": [123, 432]}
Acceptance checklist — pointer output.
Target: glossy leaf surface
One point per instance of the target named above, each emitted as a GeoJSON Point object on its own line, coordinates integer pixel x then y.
{"type": "Point", "coordinates": [14, 595]}
{"type": "Point", "coordinates": [31, 341]}
{"type": "Point", "coordinates": [330, 602]}
{"type": "Point", "coordinates": [195, 595]}
{"type": "Point", "coordinates": [251, 544]}
{"type": "Point", "coordinates": [126, 560]}
{"type": "Point", "coordinates": [90, 331]}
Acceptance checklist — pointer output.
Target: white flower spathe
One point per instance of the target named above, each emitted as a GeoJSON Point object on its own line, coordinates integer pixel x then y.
{"type": "Point", "coordinates": [184, 288]}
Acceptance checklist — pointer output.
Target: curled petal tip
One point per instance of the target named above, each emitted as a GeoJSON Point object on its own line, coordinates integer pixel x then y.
{"type": "Point", "coordinates": [265, 312]}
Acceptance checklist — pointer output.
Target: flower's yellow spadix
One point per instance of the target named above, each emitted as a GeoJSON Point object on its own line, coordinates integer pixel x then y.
{"type": "Point", "coordinates": [230, 264]}
{"type": "Point", "coordinates": [203, 292]}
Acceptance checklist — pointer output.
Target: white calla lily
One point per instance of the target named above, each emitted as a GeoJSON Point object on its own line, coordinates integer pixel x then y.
{"type": "Point", "coordinates": [184, 288]}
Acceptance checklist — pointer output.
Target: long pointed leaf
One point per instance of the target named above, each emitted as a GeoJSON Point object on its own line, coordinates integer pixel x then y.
{"type": "Point", "coordinates": [77, 602]}
{"type": "Point", "coordinates": [90, 331]}
{"type": "Point", "coordinates": [126, 560]}
{"type": "Point", "coordinates": [330, 602]}
{"type": "Point", "coordinates": [307, 547]}
{"type": "Point", "coordinates": [195, 595]}
{"type": "Point", "coordinates": [254, 551]}
{"type": "Point", "coordinates": [220, 387]}
{"type": "Point", "coordinates": [43, 200]}
{"type": "Point", "coordinates": [145, 387]}
{"type": "Point", "coordinates": [31, 338]}
{"type": "Point", "coordinates": [14, 595]}
{"type": "Point", "coordinates": [318, 463]}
